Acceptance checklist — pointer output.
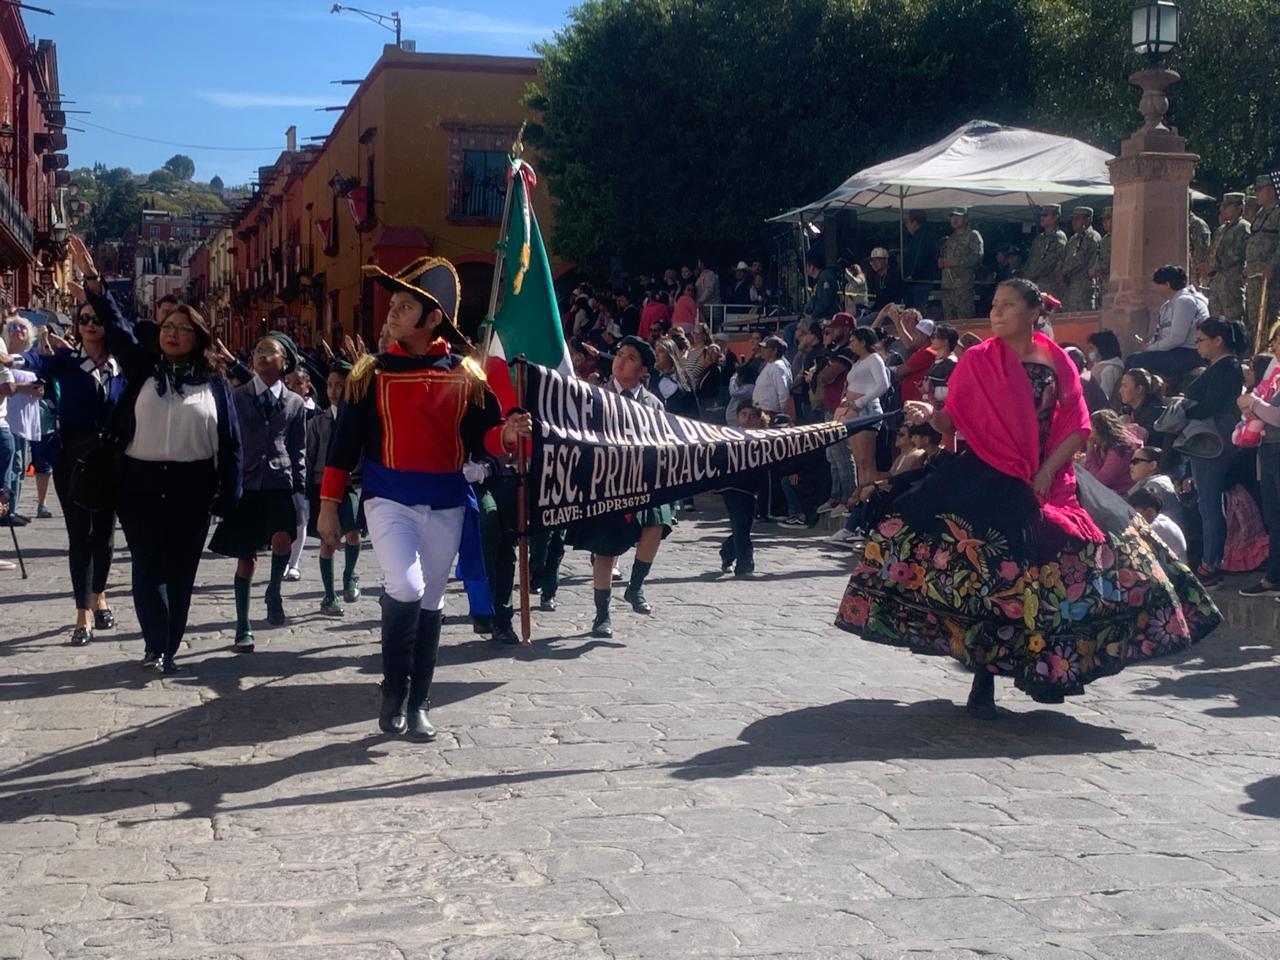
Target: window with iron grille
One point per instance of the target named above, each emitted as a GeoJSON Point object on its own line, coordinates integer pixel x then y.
{"type": "Point", "coordinates": [480, 187]}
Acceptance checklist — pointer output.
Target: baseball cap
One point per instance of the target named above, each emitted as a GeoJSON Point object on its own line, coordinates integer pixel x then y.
{"type": "Point", "coordinates": [879, 253]}
{"type": "Point", "coordinates": [926, 326]}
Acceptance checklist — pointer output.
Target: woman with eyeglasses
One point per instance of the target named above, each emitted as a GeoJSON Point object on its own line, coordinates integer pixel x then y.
{"type": "Point", "coordinates": [90, 382]}
{"type": "Point", "coordinates": [181, 441]}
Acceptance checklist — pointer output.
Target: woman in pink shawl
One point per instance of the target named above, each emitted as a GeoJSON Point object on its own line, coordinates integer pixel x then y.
{"type": "Point", "coordinates": [1005, 557]}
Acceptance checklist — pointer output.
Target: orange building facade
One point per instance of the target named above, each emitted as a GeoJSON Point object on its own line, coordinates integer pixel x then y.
{"type": "Point", "coordinates": [414, 166]}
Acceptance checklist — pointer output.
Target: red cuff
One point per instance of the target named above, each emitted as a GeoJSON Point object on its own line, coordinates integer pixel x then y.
{"type": "Point", "coordinates": [493, 442]}
{"type": "Point", "coordinates": [333, 486]}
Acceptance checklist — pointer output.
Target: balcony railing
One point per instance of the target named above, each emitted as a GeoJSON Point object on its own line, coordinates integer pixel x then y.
{"type": "Point", "coordinates": [15, 220]}
{"type": "Point", "coordinates": [477, 198]}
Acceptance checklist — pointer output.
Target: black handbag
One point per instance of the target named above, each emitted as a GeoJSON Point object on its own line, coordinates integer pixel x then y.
{"type": "Point", "coordinates": [95, 471]}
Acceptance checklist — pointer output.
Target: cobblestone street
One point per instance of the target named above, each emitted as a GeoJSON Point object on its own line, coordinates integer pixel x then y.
{"type": "Point", "coordinates": [733, 777]}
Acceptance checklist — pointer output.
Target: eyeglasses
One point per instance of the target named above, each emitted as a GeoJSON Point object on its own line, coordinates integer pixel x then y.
{"type": "Point", "coordinates": [177, 328]}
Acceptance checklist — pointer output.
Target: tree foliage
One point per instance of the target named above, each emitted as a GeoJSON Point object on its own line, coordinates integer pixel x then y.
{"type": "Point", "coordinates": [675, 127]}
{"type": "Point", "coordinates": [181, 166]}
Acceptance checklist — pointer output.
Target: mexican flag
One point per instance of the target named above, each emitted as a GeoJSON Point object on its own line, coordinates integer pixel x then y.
{"type": "Point", "coordinates": [528, 320]}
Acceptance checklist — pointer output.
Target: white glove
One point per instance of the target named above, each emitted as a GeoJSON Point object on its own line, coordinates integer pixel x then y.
{"type": "Point", "coordinates": [475, 472]}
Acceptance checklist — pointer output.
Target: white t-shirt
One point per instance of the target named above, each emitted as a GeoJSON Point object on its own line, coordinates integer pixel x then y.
{"type": "Point", "coordinates": [868, 377]}
{"type": "Point", "coordinates": [6, 376]}
{"type": "Point", "coordinates": [24, 409]}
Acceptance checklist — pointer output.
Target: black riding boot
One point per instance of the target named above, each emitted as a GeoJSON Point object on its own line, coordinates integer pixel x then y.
{"type": "Point", "coordinates": [399, 628]}
{"type": "Point", "coordinates": [425, 647]}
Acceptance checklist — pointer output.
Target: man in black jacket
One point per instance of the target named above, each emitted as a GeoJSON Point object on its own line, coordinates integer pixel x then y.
{"type": "Point", "coordinates": [919, 260]}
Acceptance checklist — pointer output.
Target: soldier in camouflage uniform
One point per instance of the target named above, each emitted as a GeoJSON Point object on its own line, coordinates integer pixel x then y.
{"type": "Point", "coordinates": [1198, 240]}
{"type": "Point", "coordinates": [1044, 262]}
{"type": "Point", "coordinates": [1226, 259]}
{"type": "Point", "coordinates": [1080, 261]}
{"type": "Point", "coordinates": [1261, 259]}
{"type": "Point", "coordinates": [1102, 272]}
{"type": "Point", "coordinates": [961, 255]}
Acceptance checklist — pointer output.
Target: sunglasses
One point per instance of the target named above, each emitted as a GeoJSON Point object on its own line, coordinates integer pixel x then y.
{"type": "Point", "coordinates": [88, 321]}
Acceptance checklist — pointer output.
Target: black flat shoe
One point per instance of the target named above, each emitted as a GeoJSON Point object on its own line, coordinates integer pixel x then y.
{"type": "Point", "coordinates": [104, 619]}
{"type": "Point", "coordinates": [548, 605]}
{"type": "Point", "coordinates": [244, 642]}
{"type": "Point", "coordinates": [637, 600]}
{"type": "Point", "coordinates": [482, 624]}
{"type": "Point", "coordinates": [420, 727]}
{"type": "Point", "coordinates": [150, 660]}
{"type": "Point", "coordinates": [81, 636]}
{"type": "Point", "coordinates": [504, 634]}
{"type": "Point", "coordinates": [602, 629]}
{"type": "Point", "coordinates": [168, 667]}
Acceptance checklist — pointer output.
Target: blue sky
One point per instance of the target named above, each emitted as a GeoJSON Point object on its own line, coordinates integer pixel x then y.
{"type": "Point", "coordinates": [237, 73]}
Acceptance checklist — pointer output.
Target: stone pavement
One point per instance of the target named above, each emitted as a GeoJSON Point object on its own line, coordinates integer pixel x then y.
{"type": "Point", "coordinates": [733, 777]}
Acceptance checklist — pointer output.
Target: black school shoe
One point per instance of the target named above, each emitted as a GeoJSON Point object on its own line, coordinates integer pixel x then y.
{"type": "Point", "coordinates": [81, 636]}
{"type": "Point", "coordinates": [504, 633]}
{"type": "Point", "coordinates": [104, 619]}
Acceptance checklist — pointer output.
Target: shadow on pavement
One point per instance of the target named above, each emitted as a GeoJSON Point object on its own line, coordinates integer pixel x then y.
{"type": "Point", "coordinates": [1247, 673]}
{"type": "Point", "coordinates": [853, 730]}
{"type": "Point", "coordinates": [1264, 798]}
{"type": "Point", "coordinates": [251, 718]}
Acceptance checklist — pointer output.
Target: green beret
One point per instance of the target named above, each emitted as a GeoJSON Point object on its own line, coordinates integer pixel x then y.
{"type": "Point", "coordinates": [647, 356]}
{"type": "Point", "coordinates": [290, 349]}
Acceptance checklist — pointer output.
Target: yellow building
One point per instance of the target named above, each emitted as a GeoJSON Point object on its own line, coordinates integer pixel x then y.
{"type": "Point", "coordinates": [415, 165]}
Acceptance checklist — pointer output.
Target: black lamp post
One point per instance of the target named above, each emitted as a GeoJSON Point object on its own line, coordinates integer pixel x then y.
{"type": "Point", "coordinates": [1157, 35]}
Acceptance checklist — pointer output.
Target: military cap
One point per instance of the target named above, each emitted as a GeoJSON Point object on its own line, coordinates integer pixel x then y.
{"type": "Point", "coordinates": [1107, 212]}
{"type": "Point", "coordinates": [1228, 198]}
{"type": "Point", "coordinates": [1054, 208]}
{"type": "Point", "coordinates": [960, 212]}
{"type": "Point", "coordinates": [1083, 212]}
{"type": "Point", "coordinates": [1263, 180]}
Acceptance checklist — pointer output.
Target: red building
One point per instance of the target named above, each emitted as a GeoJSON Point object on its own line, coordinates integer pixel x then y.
{"type": "Point", "coordinates": [34, 226]}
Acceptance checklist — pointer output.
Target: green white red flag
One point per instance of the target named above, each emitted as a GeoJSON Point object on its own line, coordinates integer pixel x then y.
{"type": "Point", "coordinates": [528, 320]}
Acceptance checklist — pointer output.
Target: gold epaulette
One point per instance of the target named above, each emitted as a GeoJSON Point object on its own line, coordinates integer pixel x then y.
{"type": "Point", "coordinates": [360, 377]}
{"type": "Point", "coordinates": [478, 379]}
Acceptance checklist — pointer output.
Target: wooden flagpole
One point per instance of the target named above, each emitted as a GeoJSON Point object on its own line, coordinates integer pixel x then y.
{"type": "Point", "coordinates": [522, 511]}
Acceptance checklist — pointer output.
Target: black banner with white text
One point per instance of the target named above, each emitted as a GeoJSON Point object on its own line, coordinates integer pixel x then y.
{"type": "Point", "coordinates": [596, 452]}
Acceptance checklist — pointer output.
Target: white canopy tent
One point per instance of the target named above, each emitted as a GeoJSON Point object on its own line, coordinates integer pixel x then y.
{"type": "Point", "coordinates": [994, 170]}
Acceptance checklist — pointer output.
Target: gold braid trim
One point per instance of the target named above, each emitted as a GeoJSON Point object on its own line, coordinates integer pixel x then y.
{"type": "Point", "coordinates": [478, 381]}
{"type": "Point", "coordinates": [361, 377]}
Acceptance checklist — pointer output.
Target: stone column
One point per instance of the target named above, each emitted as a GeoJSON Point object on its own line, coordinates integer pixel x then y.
{"type": "Point", "coordinates": [1149, 225]}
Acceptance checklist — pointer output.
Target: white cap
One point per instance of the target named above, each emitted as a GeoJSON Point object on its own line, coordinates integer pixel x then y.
{"type": "Point", "coordinates": [926, 326]}
{"type": "Point", "coordinates": [742, 265]}
{"type": "Point", "coordinates": [879, 253]}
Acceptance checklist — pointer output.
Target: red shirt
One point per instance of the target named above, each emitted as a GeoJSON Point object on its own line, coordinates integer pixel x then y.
{"type": "Point", "coordinates": [915, 368]}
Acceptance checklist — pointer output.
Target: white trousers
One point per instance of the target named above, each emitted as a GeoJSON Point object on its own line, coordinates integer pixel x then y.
{"type": "Point", "coordinates": [415, 547]}
{"type": "Point", "coordinates": [303, 508]}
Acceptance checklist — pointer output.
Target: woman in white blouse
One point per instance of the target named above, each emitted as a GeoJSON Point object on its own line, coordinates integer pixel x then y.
{"type": "Point", "coordinates": [181, 463]}
{"type": "Point", "coordinates": [867, 382]}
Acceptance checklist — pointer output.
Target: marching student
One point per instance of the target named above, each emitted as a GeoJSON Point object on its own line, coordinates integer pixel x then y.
{"type": "Point", "coordinates": [319, 430]}
{"type": "Point", "coordinates": [273, 442]}
{"type": "Point", "coordinates": [414, 413]}
{"type": "Point", "coordinates": [610, 536]}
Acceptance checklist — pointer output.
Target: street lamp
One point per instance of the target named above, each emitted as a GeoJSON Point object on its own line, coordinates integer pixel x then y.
{"type": "Point", "coordinates": [1157, 33]}
{"type": "Point", "coordinates": [1157, 28]}
{"type": "Point", "coordinates": [387, 21]}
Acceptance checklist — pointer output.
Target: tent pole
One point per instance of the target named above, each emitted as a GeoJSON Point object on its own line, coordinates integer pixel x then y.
{"type": "Point", "coordinates": [902, 241]}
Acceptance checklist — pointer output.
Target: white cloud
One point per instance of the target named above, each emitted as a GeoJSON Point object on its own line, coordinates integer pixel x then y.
{"type": "Point", "coordinates": [450, 20]}
{"type": "Point", "coordinates": [240, 99]}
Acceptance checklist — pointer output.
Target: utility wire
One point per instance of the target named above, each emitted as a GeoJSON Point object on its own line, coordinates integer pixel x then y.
{"type": "Point", "coordinates": [170, 143]}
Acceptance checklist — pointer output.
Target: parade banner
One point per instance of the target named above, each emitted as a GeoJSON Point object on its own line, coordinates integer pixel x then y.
{"type": "Point", "coordinates": [595, 452]}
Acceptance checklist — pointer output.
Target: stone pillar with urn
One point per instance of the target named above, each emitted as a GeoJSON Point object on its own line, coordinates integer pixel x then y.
{"type": "Point", "coordinates": [1151, 177]}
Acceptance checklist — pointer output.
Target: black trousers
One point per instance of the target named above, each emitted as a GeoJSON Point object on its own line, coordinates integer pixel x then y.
{"type": "Point", "coordinates": [91, 535]}
{"type": "Point", "coordinates": [737, 547]}
{"type": "Point", "coordinates": [500, 540]}
{"type": "Point", "coordinates": [546, 552]}
{"type": "Point", "coordinates": [164, 509]}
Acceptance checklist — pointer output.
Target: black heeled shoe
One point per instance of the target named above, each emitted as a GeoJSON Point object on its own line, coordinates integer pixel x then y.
{"type": "Point", "coordinates": [419, 726]}
{"type": "Point", "coordinates": [104, 619]}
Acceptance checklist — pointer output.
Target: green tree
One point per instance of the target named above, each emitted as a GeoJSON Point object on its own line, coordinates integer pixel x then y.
{"type": "Point", "coordinates": [670, 128]}
{"type": "Point", "coordinates": [181, 166]}
{"type": "Point", "coordinates": [120, 213]}
{"type": "Point", "coordinates": [162, 179]}
{"type": "Point", "coordinates": [216, 185]}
